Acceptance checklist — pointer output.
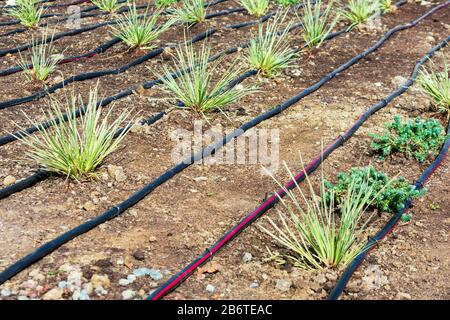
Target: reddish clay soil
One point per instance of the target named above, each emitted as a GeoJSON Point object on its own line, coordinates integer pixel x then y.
{"type": "Point", "coordinates": [176, 222]}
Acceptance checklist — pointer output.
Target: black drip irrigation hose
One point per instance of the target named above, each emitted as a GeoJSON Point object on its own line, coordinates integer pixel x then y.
{"type": "Point", "coordinates": [182, 275]}
{"type": "Point", "coordinates": [137, 196]}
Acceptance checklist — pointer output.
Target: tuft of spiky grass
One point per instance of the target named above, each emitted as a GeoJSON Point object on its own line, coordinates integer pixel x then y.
{"type": "Point", "coordinates": [164, 3]}
{"type": "Point", "coordinates": [359, 11]}
{"type": "Point", "coordinates": [75, 149]}
{"type": "Point", "coordinates": [317, 24]}
{"type": "Point", "coordinates": [139, 31]}
{"type": "Point", "coordinates": [27, 13]}
{"type": "Point", "coordinates": [436, 85]}
{"type": "Point", "coordinates": [191, 13]}
{"type": "Point", "coordinates": [110, 6]}
{"type": "Point", "coordinates": [269, 51]}
{"type": "Point", "coordinates": [256, 8]}
{"type": "Point", "coordinates": [43, 60]}
{"type": "Point", "coordinates": [386, 5]}
{"type": "Point", "coordinates": [312, 232]}
{"type": "Point", "coordinates": [198, 89]}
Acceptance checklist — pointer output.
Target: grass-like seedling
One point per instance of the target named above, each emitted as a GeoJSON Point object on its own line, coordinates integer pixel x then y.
{"type": "Point", "coordinates": [27, 13]}
{"type": "Point", "coordinates": [199, 90]}
{"type": "Point", "coordinates": [287, 3]}
{"type": "Point", "coordinates": [75, 149]}
{"type": "Point", "coordinates": [317, 23]}
{"type": "Point", "coordinates": [359, 11]}
{"type": "Point", "coordinates": [191, 13]}
{"type": "Point", "coordinates": [139, 31]}
{"type": "Point", "coordinates": [110, 6]}
{"type": "Point", "coordinates": [269, 51]}
{"type": "Point", "coordinates": [436, 85]}
{"type": "Point", "coordinates": [313, 234]}
{"type": "Point", "coordinates": [164, 3]}
{"type": "Point", "coordinates": [418, 138]}
{"type": "Point", "coordinates": [388, 195]}
{"type": "Point", "coordinates": [43, 60]}
{"type": "Point", "coordinates": [256, 8]}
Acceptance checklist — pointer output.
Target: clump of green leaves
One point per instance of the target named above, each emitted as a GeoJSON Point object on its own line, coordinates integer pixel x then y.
{"type": "Point", "coordinates": [418, 138]}
{"type": "Point", "coordinates": [43, 60]}
{"type": "Point", "coordinates": [436, 85]}
{"type": "Point", "coordinates": [110, 6]}
{"type": "Point", "coordinates": [191, 13]}
{"type": "Point", "coordinates": [164, 3]}
{"type": "Point", "coordinates": [388, 195]}
{"type": "Point", "coordinates": [359, 11]}
{"type": "Point", "coordinates": [75, 149]}
{"type": "Point", "coordinates": [312, 232]}
{"type": "Point", "coordinates": [198, 89]}
{"type": "Point", "coordinates": [27, 13]}
{"type": "Point", "coordinates": [256, 8]}
{"type": "Point", "coordinates": [286, 3]}
{"type": "Point", "coordinates": [269, 52]}
{"type": "Point", "coordinates": [139, 31]}
{"type": "Point", "coordinates": [317, 23]}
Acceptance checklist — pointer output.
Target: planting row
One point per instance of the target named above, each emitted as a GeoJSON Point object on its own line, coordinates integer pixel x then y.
{"type": "Point", "coordinates": [194, 82]}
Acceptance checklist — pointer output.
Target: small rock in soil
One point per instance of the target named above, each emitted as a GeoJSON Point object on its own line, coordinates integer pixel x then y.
{"type": "Point", "coordinates": [374, 277]}
{"type": "Point", "coordinates": [89, 206]}
{"type": "Point", "coordinates": [399, 80]}
{"type": "Point", "coordinates": [98, 280]}
{"type": "Point", "coordinates": [9, 180]}
{"type": "Point", "coordinates": [247, 257]}
{"type": "Point", "coordinates": [153, 273]}
{"type": "Point", "coordinates": [53, 294]}
{"type": "Point", "coordinates": [128, 294]}
{"type": "Point", "coordinates": [116, 173]}
{"type": "Point", "coordinates": [403, 296]}
{"type": "Point", "coordinates": [254, 285]}
{"type": "Point", "coordinates": [353, 286]}
{"type": "Point", "coordinates": [62, 284]}
{"type": "Point", "coordinates": [283, 285]}
{"type": "Point", "coordinates": [5, 293]}
{"type": "Point", "coordinates": [139, 255]}
{"type": "Point", "coordinates": [100, 291]}
{"type": "Point", "coordinates": [210, 288]}
{"type": "Point", "coordinates": [320, 278]}
{"type": "Point", "coordinates": [331, 276]}
{"type": "Point", "coordinates": [124, 282]}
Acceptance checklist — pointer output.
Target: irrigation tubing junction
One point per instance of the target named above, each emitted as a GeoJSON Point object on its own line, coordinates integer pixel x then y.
{"type": "Point", "coordinates": [182, 275]}
{"type": "Point", "coordinates": [137, 196]}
